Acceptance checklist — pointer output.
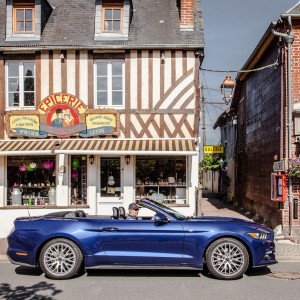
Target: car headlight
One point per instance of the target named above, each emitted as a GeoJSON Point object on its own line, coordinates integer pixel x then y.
{"type": "Point", "coordinates": [259, 236]}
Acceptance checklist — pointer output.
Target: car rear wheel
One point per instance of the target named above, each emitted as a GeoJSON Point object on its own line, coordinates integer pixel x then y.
{"type": "Point", "coordinates": [60, 259]}
{"type": "Point", "coordinates": [227, 258]}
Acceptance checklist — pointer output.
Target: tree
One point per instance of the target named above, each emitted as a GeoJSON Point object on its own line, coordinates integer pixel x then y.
{"type": "Point", "coordinates": [210, 162]}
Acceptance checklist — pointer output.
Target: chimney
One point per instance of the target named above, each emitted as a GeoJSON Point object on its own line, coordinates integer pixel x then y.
{"type": "Point", "coordinates": [187, 14]}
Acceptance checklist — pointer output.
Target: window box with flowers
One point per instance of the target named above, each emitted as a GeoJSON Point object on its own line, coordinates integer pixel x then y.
{"type": "Point", "coordinates": [294, 168]}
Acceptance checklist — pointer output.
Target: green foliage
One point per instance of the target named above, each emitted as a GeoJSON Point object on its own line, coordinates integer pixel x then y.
{"type": "Point", "coordinates": [210, 162]}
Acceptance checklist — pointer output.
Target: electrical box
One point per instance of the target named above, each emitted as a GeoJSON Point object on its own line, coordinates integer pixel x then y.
{"type": "Point", "coordinates": [278, 187]}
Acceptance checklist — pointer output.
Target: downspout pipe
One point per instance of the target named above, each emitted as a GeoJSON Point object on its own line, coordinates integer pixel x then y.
{"type": "Point", "coordinates": [288, 39]}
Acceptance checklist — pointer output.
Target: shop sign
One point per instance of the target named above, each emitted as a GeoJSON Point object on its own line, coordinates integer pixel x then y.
{"type": "Point", "coordinates": [62, 115]}
{"type": "Point", "coordinates": [24, 125]}
{"type": "Point", "coordinates": [213, 149]}
{"type": "Point", "coordinates": [100, 124]}
{"type": "Point", "coordinates": [279, 166]}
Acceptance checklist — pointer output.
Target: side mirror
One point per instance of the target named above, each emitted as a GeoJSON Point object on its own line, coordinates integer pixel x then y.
{"type": "Point", "coordinates": [160, 219]}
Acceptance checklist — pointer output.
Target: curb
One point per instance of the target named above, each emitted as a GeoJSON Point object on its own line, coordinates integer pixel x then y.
{"type": "Point", "coordinates": [3, 258]}
{"type": "Point", "coordinates": [289, 259]}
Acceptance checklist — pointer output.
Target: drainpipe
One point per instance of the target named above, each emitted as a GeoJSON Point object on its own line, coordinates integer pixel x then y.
{"type": "Point", "coordinates": [288, 38]}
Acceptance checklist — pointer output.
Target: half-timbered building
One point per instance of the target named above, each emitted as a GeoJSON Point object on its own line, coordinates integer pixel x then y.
{"type": "Point", "coordinates": [99, 104]}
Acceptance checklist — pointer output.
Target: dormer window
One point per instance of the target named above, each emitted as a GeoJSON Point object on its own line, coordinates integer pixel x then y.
{"type": "Point", "coordinates": [23, 18]}
{"type": "Point", "coordinates": [112, 18]}
{"type": "Point", "coordinates": [26, 19]}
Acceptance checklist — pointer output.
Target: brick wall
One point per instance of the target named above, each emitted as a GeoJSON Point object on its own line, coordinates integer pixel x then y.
{"type": "Point", "coordinates": [187, 14]}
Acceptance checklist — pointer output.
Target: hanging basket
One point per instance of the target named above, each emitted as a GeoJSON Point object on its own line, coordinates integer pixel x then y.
{"type": "Point", "coordinates": [48, 165]}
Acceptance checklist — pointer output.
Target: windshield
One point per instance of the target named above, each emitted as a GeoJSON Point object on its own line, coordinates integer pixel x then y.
{"type": "Point", "coordinates": [169, 210]}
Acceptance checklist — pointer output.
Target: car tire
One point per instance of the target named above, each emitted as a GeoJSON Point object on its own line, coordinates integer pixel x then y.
{"type": "Point", "coordinates": [227, 258]}
{"type": "Point", "coordinates": [60, 259]}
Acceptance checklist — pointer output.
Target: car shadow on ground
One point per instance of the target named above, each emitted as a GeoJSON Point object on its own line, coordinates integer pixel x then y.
{"type": "Point", "coordinates": [143, 273]}
{"type": "Point", "coordinates": [30, 271]}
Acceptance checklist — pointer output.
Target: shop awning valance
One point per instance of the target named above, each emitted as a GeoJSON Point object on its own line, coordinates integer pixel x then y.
{"type": "Point", "coordinates": [129, 146]}
{"type": "Point", "coordinates": [100, 146]}
{"type": "Point", "coordinates": [27, 147]}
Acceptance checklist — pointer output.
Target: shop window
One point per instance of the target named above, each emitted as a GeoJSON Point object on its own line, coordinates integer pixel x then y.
{"type": "Point", "coordinates": [110, 177]}
{"type": "Point", "coordinates": [31, 180]}
{"type": "Point", "coordinates": [161, 178]}
{"type": "Point", "coordinates": [109, 83]}
{"type": "Point", "coordinates": [78, 179]}
{"type": "Point", "coordinates": [23, 18]}
{"type": "Point", "coordinates": [20, 78]}
{"type": "Point", "coordinates": [112, 12]}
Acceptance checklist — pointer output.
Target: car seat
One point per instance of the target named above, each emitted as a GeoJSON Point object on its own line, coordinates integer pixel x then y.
{"type": "Point", "coordinates": [122, 213]}
{"type": "Point", "coordinates": [115, 213]}
{"type": "Point", "coordinates": [81, 213]}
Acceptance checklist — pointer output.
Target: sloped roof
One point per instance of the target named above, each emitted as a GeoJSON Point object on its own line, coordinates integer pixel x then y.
{"type": "Point", "coordinates": [294, 10]}
{"type": "Point", "coordinates": [155, 24]}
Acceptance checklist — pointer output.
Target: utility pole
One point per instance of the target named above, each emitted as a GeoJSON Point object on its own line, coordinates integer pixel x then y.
{"type": "Point", "coordinates": [203, 120]}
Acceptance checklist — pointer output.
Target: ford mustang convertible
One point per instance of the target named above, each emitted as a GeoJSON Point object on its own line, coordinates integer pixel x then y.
{"type": "Point", "coordinates": [63, 243]}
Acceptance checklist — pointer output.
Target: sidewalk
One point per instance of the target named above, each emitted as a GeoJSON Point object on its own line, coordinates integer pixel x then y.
{"type": "Point", "coordinates": [211, 206]}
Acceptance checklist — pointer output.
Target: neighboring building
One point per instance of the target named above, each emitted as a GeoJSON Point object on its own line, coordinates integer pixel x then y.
{"type": "Point", "coordinates": [227, 123]}
{"type": "Point", "coordinates": [99, 104]}
{"type": "Point", "coordinates": [262, 105]}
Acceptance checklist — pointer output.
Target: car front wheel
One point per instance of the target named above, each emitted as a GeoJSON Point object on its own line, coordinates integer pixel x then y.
{"type": "Point", "coordinates": [60, 259]}
{"type": "Point", "coordinates": [227, 258]}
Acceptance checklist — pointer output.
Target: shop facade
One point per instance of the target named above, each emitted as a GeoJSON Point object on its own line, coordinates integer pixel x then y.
{"type": "Point", "coordinates": [96, 124]}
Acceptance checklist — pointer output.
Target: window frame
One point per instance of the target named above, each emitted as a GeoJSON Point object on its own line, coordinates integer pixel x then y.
{"type": "Point", "coordinates": [23, 7]}
{"type": "Point", "coordinates": [109, 84]}
{"type": "Point", "coordinates": [21, 84]}
{"type": "Point", "coordinates": [112, 7]}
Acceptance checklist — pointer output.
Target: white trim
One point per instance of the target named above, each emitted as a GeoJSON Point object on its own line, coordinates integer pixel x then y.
{"type": "Point", "coordinates": [109, 83]}
{"type": "Point", "coordinates": [21, 84]}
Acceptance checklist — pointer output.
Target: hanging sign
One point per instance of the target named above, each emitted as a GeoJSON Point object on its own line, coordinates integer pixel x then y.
{"type": "Point", "coordinates": [213, 149]}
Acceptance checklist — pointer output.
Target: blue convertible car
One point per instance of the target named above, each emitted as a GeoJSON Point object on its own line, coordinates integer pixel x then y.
{"type": "Point", "coordinates": [62, 243]}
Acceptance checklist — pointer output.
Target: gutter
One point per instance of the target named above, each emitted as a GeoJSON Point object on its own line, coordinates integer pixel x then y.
{"type": "Point", "coordinates": [19, 47]}
{"type": "Point", "coordinates": [288, 39]}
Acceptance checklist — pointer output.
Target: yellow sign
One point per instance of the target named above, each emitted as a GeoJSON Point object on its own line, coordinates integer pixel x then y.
{"type": "Point", "coordinates": [61, 99]}
{"type": "Point", "coordinates": [101, 124]}
{"type": "Point", "coordinates": [213, 149]}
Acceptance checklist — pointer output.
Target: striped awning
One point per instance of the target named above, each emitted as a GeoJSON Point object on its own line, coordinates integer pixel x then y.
{"type": "Point", "coordinates": [27, 147]}
{"type": "Point", "coordinates": [99, 146]}
{"type": "Point", "coordinates": [131, 146]}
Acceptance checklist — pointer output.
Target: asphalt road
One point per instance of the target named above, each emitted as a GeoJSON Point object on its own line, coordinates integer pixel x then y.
{"type": "Point", "coordinates": [18, 282]}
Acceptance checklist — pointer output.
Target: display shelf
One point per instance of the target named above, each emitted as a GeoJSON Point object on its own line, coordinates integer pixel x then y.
{"type": "Point", "coordinates": [34, 187]}
{"type": "Point", "coordinates": [172, 193]}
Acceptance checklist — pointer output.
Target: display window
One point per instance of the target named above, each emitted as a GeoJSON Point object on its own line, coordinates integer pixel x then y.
{"type": "Point", "coordinates": [161, 178]}
{"type": "Point", "coordinates": [31, 180]}
{"type": "Point", "coordinates": [78, 179]}
{"type": "Point", "coordinates": [110, 176]}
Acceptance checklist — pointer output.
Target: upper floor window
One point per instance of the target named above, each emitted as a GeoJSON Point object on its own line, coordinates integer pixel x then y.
{"type": "Point", "coordinates": [23, 18]}
{"type": "Point", "coordinates": [109, 83]}
{"type": "Point", "coordinates": [20, 84]}
{"type": "Point", "coordinates": [112, 12]}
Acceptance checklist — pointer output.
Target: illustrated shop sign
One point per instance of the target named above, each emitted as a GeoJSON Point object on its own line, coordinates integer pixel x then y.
{"type": "Point", "coordinates": [62, 115]}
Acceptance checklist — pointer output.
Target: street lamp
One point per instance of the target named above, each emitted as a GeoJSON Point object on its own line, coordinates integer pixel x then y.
{"type": "Point", "coordinates": [91, 159]}
{"type": "Point", "coordinates": [227, 89]}
{"type": "Point", "coordinates": [127, 159]}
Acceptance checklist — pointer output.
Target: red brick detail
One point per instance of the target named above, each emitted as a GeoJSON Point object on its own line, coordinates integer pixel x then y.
{"type": "Point", "coordinates": [187, 14]}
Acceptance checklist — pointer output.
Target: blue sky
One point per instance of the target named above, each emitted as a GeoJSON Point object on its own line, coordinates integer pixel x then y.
{"type": "Point", "coordinates": [232, 29]}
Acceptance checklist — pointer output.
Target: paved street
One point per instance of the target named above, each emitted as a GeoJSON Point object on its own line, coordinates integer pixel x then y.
{"type": "Point", "coordinates": [25, 283]}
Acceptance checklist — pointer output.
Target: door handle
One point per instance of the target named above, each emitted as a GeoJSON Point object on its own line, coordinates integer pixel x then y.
{"type": "Point", "coordinates": [110, 229]}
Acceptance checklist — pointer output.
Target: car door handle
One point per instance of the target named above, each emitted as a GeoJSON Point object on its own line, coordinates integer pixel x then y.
{"type": "Point", "coordinates": [110, 229]}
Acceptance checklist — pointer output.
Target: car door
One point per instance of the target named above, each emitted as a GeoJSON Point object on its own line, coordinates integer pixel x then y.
{"type": "Point", "coordinates": [142, 242]}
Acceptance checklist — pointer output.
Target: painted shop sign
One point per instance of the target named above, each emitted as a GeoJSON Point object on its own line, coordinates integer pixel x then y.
{"type": "Point", "coordinates": [62, 115]}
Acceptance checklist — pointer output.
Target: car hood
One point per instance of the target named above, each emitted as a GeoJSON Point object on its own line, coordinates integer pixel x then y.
{"type": "Point", "coordinates": [223, 220]}
{"type": "Point", "coordinates": [220, 219]}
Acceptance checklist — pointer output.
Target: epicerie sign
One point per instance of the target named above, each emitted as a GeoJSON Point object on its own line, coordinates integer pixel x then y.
{"type": "Point", "coordinates": [213, 149]}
